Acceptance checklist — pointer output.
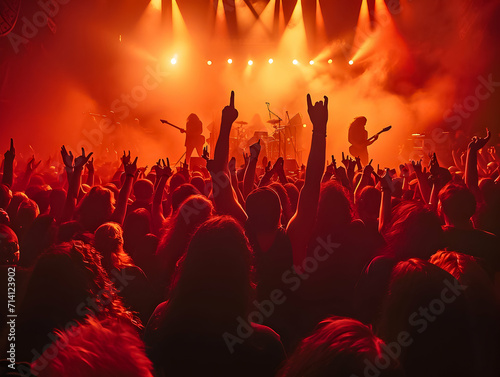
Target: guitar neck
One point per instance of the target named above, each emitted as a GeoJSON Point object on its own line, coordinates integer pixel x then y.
{"type": "Point", "coordinates": [172, 125]}
{"type": "Point", "coordinates": [378, 133]}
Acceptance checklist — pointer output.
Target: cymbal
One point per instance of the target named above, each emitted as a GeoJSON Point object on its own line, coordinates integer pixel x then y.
{"type": "Point", "coordinates": [274, 121]}
{"type": "Point", "coordinates": [241, 122]}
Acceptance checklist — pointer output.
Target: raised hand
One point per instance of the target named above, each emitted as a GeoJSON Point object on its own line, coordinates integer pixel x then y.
{"type": "Point", "coordinates": [11, 152]}
{"type": "Point", "coordinates": [268, 166]}
{"type": "Point", "coordinates": [345, 160]}
{"type": "Point", "coordinates": [358, 163]}
{"type": "Point", "coordinates": [318, 114]}
{"type": "Point", "coordinates": [229, 113]}
{"type": "Point", "coordinates": [255, 150]}
{"type": "Point", "coordinates": [368, 170]}
{"type": "Point", "coordinates": [185, 166]}
{"type": "Point", "coordinates": [162, 169]}
{"type": "Point", "coordinates": [131, 168]}
{"type": "Point", "coordinates": [417, 166]}
{"type": "Point", "coordinates": [330, 168]}
{"type": "Point", "coordinates": [231, 165]}
{"type": "Point", "coordinates": [405, 172]}
{"type": "Point", "coordinates": [334, 163]}
{"type": "Point", "coordinates": [278, 165]}
{"type": "Point", "coordinates": [205, 155]}
{"type": "Point", "coordinates": [433, 164]}
{"type": "Point", "coordinates": [80, 161]}
{"type": "Point", "coordinates": [125, 159]}
{"type": "Point", "coordinates": [386, 181]}
{"type": "Point", "coordinates": [67, 157]}
{"type": "Point", "coordinates": [477, 143]}
{"type": "Point", "coordinates": [90, 165]}
{"type": "Point", "coordinates": [31, 167]}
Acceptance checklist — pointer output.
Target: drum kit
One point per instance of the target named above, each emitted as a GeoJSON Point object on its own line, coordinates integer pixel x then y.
{"type": "Point", "coordinates": [280, 142]}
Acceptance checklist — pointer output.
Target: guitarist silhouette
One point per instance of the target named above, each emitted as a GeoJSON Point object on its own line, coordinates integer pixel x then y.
{"type": "Point", "coordinates": [194, 137]}
{"type": "Point", "coordinates": [358, 137]}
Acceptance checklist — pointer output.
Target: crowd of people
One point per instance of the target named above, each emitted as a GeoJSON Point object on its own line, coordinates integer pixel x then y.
{"type": "Point", "coordinates": [333, 270]}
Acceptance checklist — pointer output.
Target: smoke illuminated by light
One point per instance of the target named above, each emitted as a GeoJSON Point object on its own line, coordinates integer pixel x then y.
{"type": "Point", "coordinates": [156, 4]}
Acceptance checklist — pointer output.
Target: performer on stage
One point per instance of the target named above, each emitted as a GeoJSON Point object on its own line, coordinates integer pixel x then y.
{"type": "Point", "coordinates": [194, 137]}
{"type": "Point", "coordinates": [358, 137]}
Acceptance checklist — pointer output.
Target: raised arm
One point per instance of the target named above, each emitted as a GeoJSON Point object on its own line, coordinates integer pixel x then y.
{"type": "Point", "coordinates": [231, 166]}
{"type": "Point", "coordinates": [301, 225]}
{"type": "Point", "coordinates": [163, 172]}
{"type": "Point", "coordinates": [423, 183]}
{"type": "Point", "coordinates": [74, 173]}
{"type": "Point", "coordinates": [387, 188]}
{"type": "Point", "coordinates": [23, 183]}
{"type": "Point", "coordinates": [8, 165]}
{"type": "Point", "coordinates": [249, 179]}
{"type": "Point", "coordinates": [223, 194]}
{"type": "Point", "coordinates": [229, 115]}
{"type": "Point", "coordinates": [471, 176]}
{"type": "Point", "coordinates": [365, 179]}
{"type": "Point", "coordinates": [121, 203]}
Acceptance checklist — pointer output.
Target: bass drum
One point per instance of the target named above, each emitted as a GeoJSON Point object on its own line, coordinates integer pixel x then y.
{"type": "Point", "coordinates": [9, 13]}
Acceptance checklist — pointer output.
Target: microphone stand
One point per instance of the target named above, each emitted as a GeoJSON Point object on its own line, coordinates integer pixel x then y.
{"type": "Point", "coordinates": [279, 127]}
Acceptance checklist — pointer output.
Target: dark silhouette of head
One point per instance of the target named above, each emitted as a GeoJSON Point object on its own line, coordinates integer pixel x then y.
{"type": "Point", "coordinates": [359, 123]}
{"type": "Point", "coordinates": [96, 208]}
{"type": "Point", "coordinates": [41, 195]}
{"type": "Point", "coordinates": [457, 204]}
{"type": "Point", "coordinates": [263, 207]}
{"type": "Point", "coordinates": [181, 193]}
{"type": "Point", "coordinates": [27, 212]}
{"type": "Point", "coordinates": [9, 246]}
{"type": "Point", "coordinates": [214, 283]}
{"type": "Point", "coordinates": [5, 196]}
{"type": "Point", "coordinates": [97, 340]}
{"type": "Point", "coordinates": [13, 207]}
{"type": "Point", "coordinates": [135, 227]}
{"type": "Point", "coordinates": [193, 212]}
{"type": "Point", "coordinates": [368, 204]}
{"type": "Point", "coordinates": [175, 181]}
{"type": "Point", "coordinates": [108, 240]}
{"type": "Point", "coordinates": [340, 347]}
{"type": "Point", "coordinates": [39, 237]}
{"type": "Point", "coordinates": [199, 183]}
{"type": "Point", "coordinates": [428, 305]}
{"type": "Point", "coordinates": [143, 190]}
{"type": "Point", "coordinates": [67, 284]}
{"type": "Point", "coordinates": [414, 232]}
{"type": "Point", "coordinates": [334, 207]}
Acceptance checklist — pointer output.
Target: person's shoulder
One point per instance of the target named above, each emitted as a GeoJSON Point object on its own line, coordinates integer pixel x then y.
{"type": "Point", "coordinates": [157, 317]}
{"type": "Point", "coordinates": [380, 262]}
{"type": "Point", "coordinates": [265, 331]}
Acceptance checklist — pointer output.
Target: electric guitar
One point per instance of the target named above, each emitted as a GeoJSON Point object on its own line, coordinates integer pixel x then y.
{"type": "Point", "coordinates": [183, 131]}
{"type": "Point", "coordinates": [356, 150]}
{"type": "Point", "coordinates": [196, 139]}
